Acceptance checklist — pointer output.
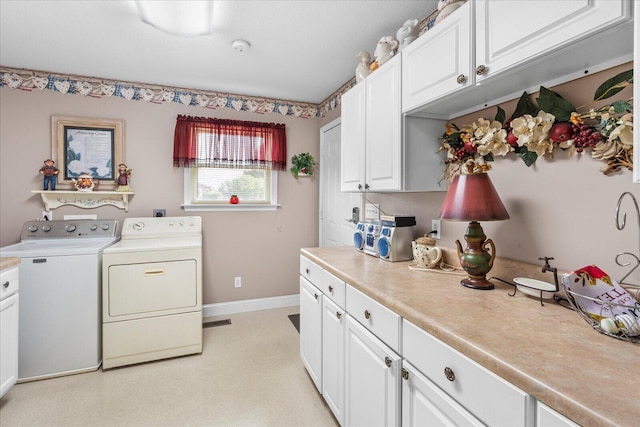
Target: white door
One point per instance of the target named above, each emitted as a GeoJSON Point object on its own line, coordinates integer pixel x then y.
{"type": "Point", "coordinates": [336, 207]}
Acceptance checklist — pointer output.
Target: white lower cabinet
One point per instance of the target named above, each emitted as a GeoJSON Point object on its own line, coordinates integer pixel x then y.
{"type": "Point", "coordinates": [333, 329]}
{"type": "Point", "coordinates": [425, 404]}
{"type": "Point", "coordinates": [372, 379]}
{"type": "Point", "coordinates": [9, 317]}
{"type": "Point", "coordinates": [311, 330]}
{"type": "Point", "coordinates": [547, 417]}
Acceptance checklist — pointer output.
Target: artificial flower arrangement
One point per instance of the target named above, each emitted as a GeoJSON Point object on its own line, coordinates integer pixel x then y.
{"type": "Point", "coordinates": [539, 130]}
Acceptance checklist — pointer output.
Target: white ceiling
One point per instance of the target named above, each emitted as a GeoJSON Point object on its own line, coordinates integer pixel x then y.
{"type": "Point", "coordinates": [300, 50]}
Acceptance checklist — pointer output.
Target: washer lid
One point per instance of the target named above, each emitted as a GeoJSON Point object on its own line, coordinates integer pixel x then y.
{"type": "Point", "coordinates": [57, 247]}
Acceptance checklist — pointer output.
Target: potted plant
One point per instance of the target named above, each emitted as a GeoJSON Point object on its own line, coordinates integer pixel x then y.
{"type": "Point", "coordinates": [303, 164]}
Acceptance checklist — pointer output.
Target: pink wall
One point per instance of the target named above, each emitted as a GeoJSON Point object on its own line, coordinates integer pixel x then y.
{"type": "Point", "coordinates": [246, 244]}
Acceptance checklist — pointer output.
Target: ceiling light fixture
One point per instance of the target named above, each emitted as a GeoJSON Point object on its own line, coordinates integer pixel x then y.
{"type": "Point", "coordinates": [180, 18]}
{"type": "Point", "coordinates": [240, 45]}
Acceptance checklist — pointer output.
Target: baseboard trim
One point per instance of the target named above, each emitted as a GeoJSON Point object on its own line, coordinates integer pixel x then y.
{"type": "Point", "coordinates": [244, 306]}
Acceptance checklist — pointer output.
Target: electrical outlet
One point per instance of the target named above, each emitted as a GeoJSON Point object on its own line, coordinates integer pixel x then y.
{"type": "Point", "coordinates": [372, 211]}
{"type": "Point", "coordinates": [47, 216]}
{"type": "Point", "coordinates": [237, 282]}
{"type": "Point", "coordinates": [159, 212]}
{"type": "Point", "coordinates": [435, 228]}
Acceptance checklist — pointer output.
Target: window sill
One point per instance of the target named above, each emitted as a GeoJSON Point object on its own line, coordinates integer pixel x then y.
{"type": "Point", "coordinates": [229, 207]}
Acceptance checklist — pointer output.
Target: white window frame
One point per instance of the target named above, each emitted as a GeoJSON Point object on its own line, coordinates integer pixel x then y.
{"type": "Point", "coordinates": [188, 206]}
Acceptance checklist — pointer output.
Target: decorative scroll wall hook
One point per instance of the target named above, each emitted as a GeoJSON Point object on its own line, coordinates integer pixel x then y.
{"type": "Point", "coordinates": [620, 224]}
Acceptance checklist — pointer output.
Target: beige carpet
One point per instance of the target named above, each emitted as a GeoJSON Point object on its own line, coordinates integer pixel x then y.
{"type": "Point", "coordinates": [249, 374]}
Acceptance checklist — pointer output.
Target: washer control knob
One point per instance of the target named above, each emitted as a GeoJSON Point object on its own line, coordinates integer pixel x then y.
{"type": "Point", "coordinates": [93, 227]}
{"type": "Point", "coordinates": [138, 225]}
{"type": "Point", "coordinates": [105, 226]}
{"type": "Point", "coordinates": [46, 228]}
{"type": "Point", "coordinates": [33, 228]}
{"type": "Point", "coordinates": [70, 228]}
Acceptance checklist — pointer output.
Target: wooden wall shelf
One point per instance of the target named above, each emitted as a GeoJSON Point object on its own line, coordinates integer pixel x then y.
{"type": "Point", "coordinates": [84, 199]}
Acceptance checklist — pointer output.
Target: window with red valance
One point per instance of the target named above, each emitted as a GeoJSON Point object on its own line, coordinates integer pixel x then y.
{"type": "Point", "coordinates": [208, 142]}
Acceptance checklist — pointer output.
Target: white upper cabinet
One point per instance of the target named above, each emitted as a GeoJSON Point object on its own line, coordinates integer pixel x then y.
{"type": "Point", "coordinates": [352, 139]}
{"type": "Point", "coordinates": [438, 63]}
{"type": "Point", "coordinates": [510, 34]}
{"type": "Point", "coordinates": [516, 46]}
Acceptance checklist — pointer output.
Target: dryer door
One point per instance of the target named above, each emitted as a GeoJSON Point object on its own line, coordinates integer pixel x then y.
{"type": "Point", "coordinates": [146, 289]}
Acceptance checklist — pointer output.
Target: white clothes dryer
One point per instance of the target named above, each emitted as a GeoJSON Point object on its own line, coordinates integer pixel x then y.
{"type": "Point", "coordinates": [60, 278]}
{"type": "Point", "coordinates": [152, 291]}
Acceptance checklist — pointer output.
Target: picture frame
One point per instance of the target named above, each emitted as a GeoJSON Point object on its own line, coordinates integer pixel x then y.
{"type": "Point", "coordinates": [87, 145]}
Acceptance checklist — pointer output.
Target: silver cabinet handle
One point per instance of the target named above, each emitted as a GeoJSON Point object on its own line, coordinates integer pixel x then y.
{"type": "Point", "coordinates": [359, 186]}
{"type": "Point", "coordinates": [316, 296]}
{"type": "Point", "coordinates": [448, 373]}
{"type": "Point", "coordinates": [367, 315]}
{"type": "Point", "coordinates": [5, 284]}
{"type": "Point", "coordinates": [461, 79]}
{"type": "Point", "coordinates": [307, 270]}
{"type": "Point", "coordinates": [387, 361]}
{"type": "Point", "coordinates": [330, 288]}
{"type": "Point", "coordinates": [405, 374]}
{"type": "Point", "coordinates": [338, 314]}
{"type": "Point", "coordinates": [480, 70]}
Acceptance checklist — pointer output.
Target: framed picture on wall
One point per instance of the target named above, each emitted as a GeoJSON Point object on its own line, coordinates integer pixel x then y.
{"type": "Point", "coordinates": [87, 145]}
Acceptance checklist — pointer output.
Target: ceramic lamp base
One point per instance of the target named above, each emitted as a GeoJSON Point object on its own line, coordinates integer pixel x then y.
{"type": "Point", "coordinates": [477, 282]}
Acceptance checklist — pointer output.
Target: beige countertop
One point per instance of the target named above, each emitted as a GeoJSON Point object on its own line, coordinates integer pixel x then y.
{"type": "Point", "coordinates": [7, 262]}
{"type": "Point", "coordinates": [547, 351]}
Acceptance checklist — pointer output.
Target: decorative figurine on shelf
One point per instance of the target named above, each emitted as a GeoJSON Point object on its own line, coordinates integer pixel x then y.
{"type": "Point", "coordinates": [50, 173]}
{"type": "Point", "coordinates": [85, 182]}
{"type": "Point", "coordinates": [234, 200]}
{"type": "Point", "coordinates": [385, 49]}
{"type": "Point", "coordinates": [447, 7]}
{"type": "Point", "coordinates": [123, 178]}
{"type": "Point", "coordinates": [362, 70]}
{"type": "Point", "coordinates": [407, 33]}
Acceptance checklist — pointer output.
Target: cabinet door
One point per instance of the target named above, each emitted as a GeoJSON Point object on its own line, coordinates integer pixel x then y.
{"type": "Point", "coordinates": [8, 343]}
{"type": "Point", "coordinates": [311, 330]}
{"type": "Point", "coordinates": [383, 151]}
{"type": "Point", "coordinates": [432, 64]}
{"type": "Point", "coordinates": [372, 379]}
{"type": "Point", "coordinates": [424, 404]}
{"type": "Point", "coordinates": [509, 34]}
{"type": "Point", "coordinates": [333, 321]}
{"type": "Point", "coordinates": [547, 417]}
{"type": "Point", "coordinates": [352, 139]}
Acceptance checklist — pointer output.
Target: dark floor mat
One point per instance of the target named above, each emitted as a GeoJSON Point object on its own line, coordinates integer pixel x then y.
{"type": "Point", "coordinates": [295, 319]}
{"type": "Point", "coordinates": [216, 323]}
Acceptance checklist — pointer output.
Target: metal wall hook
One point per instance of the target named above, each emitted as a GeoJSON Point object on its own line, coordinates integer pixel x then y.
{"type": "Point", "coordinates": [620, 225]}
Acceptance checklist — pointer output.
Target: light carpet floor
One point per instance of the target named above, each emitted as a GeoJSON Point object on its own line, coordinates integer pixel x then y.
{"type": "Point", "coordinates": [249, 374]}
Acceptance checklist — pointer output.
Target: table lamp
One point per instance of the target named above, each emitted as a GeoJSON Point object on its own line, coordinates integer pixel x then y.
{"type": "Point", "coordinates": [472, 197]}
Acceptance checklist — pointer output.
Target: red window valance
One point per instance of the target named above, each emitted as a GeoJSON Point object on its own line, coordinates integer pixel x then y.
{"type": "Point", "coordinates": [207, 142]}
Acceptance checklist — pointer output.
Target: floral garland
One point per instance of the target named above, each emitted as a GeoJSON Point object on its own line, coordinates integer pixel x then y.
{"type": "Point", "coordinates": [539, 130]}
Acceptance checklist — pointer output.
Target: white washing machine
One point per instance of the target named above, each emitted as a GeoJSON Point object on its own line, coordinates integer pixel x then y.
{"type": "Point", "coordinates": [152, 291]}
{"type": "Point", "coordinates": [60, 278]}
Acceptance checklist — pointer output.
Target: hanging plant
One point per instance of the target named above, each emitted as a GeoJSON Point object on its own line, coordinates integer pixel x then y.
{"type": "Point", "coordinates": [554, 123]}
{"type": "Point", "coordinates": [302, 164]}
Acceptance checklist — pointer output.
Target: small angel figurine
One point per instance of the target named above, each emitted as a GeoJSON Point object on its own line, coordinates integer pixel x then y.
{"type": "Point", "coordinates": [123, 178]}
{"type": "Point", "coordinates": [362, 70]}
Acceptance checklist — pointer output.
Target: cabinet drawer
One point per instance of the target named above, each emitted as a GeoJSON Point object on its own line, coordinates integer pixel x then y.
{"type": "Point", "coordinates": [8, 282]}
{"type": "Point", "coordinates": [382, 322]}
{"type": "Point", "coordinates": [310, 271]}
{"type": "Point", "coordinates": [334, 288]}
{"type": "Point", "coordinates": [489, 397]}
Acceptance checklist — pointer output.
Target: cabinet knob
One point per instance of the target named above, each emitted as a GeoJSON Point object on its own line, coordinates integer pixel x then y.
{"type": "Point", "coordinates": [387, 361]}
{"type": "Point", "coordinates": [359, 186]}
{"type": "Point", "coordinates": [366, 186]}
{"type": "Point", "coordinates": [307, 270]}
{"type": "Point", "coordinates": [367, 315]}
{"type": "Point", "coordinates": [330, 288]}
{"type": "Point", "coordinates": [315, 295]}
{"type": "Point", "coordinates": [461, 79]}
{"type": "Point", "coordinates": [338, 314]}
{"type": "Point", "coordinates": [405, 374]}
{"type": "Point", "coordinates": [448, 372]}
{"type": "Point", "coordinates": [5, 284]}
{"type": "Point", "coordinates": [480, 70]}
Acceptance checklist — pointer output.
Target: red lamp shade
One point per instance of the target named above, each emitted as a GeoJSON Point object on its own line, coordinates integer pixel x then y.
{"type": "Point", "coordinates": [472, 197]}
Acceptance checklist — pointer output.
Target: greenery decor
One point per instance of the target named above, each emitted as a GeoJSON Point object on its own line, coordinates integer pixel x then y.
{"type": "Point", "coordinates": [302, 164]}
{"type": "Point", "coordinates": [539, 130]}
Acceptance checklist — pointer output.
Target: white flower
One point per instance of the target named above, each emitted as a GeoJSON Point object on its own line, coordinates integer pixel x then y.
{"type": "Point", "coordinates": [533, 132]}
{"type": "Point", "coordinates": [75, 146]}
{"type": "Point", "coordinates": [103, 171]}
{"type": "Point", "coordinates": [624, 131]}
{"type": "Point", "coordinates": [75, 167]}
